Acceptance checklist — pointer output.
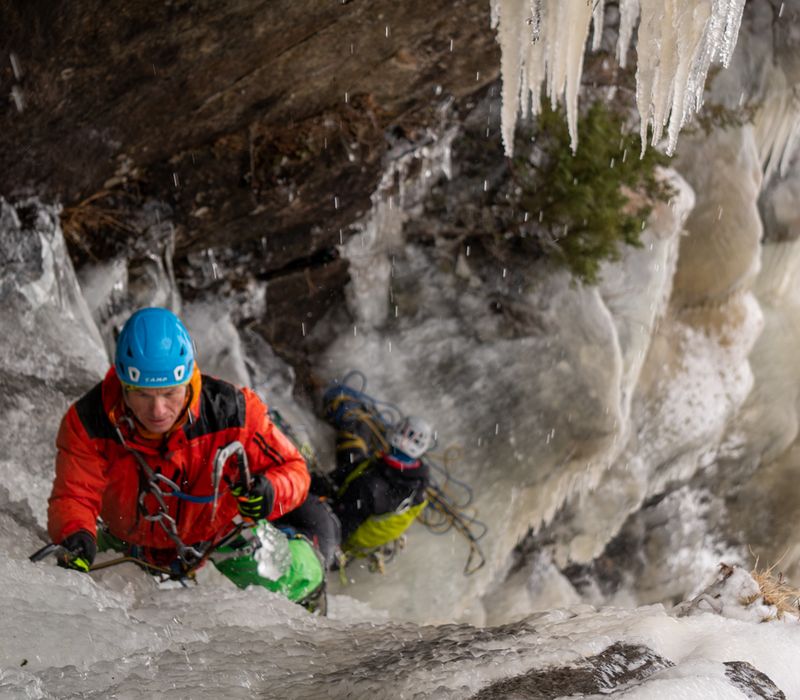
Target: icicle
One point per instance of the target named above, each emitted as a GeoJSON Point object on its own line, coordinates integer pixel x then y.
{"type": "Point", "coordinates": [628, 14]}
{"type": "Point", "coordinates": [510, 17]}
{"type": "Point", "coordinates": [678, 40]}
{"type": "Point", "coordinates": [580, 15]}
{"type": "Point", "coordinates": [777, 127]}
{"type": "Point", "coordinates": [598, 15]}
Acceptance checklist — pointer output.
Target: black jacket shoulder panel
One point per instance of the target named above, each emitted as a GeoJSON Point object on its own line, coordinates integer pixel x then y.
{"type": "Point", "coordinates": [222, 405]}
{"type": "Point", "coordinates": [93, 416]}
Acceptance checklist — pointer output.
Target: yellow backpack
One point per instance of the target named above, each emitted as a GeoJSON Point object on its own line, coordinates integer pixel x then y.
{"type": "Point", "coordinates": [378, 530]}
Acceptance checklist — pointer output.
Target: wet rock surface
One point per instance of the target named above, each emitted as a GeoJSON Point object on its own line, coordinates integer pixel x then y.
{"type": "Point", "coordinates": [752, 682]}
{"type": "Point", "coordinates": [255, 132]}
{"type": "Point", "coordinates": [618, 665]}
{"type": "Point", "coordinates": [248, 118]}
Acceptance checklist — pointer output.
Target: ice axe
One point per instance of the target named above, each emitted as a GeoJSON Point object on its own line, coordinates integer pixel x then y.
{"type": "Point", "coordinates": [47, 550]}
{"type": "Point", "coordinates": [220, 460]}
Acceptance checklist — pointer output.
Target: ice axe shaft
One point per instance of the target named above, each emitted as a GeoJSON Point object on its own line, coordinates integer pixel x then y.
{"type": "Point", "coordinates": [46, 551]}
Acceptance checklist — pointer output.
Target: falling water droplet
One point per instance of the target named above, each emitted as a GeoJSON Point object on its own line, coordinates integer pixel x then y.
{"type": "Point", "coordinates": [15, 65]}
{"type": "Point", "coordinates": [451, 44]}
{"type": "Point", "coordinates": [19, 100]}
{"type": "Point", "coordinates": [303, 328]}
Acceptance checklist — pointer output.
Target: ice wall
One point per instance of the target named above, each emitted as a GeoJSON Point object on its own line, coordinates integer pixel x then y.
{"type": "Point", "coordinates": [50, 347]}
{"type": "Point", "coordinates": [677, 43]}
{"type": "Point", "coordinates": [537, 398]}
{"type": "Point", "coordinates": [128, 637]}
{"type": "Point", "coordinates": [762, 457]}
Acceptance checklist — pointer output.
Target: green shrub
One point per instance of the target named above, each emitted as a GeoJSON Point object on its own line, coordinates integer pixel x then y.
{"type": "Point", "coordinates": [580, 208]}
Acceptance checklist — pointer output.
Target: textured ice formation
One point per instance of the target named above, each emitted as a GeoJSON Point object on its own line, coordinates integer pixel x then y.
{"type": "Point", "coordinates": [677, 43]}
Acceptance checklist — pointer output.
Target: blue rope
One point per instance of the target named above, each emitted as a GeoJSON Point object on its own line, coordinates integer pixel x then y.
{"type": "Point", "coordinates": [192, 499]}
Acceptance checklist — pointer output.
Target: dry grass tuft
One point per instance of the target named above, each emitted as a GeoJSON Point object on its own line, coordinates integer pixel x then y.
{"type": "Point", "coordinates": [89, 217]}
{"type": "Point", "coordinates": [776, 591]}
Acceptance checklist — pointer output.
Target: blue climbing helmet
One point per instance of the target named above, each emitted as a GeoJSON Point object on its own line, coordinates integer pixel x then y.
{"type": "Point", "coordinates": [154, 350]}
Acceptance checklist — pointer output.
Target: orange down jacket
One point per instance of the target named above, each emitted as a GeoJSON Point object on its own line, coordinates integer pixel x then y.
{"type": "Point", "coordinates": [97, 475]}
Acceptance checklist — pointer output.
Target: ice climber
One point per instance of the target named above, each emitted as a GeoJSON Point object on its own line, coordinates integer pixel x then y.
{"type": "Point", "coordinates": [179, 467]}
{"type": "Point", "coordinates": [380, 482]}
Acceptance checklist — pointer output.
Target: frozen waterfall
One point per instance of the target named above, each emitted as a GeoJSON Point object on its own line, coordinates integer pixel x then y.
{"type": "Point", "coordinates": [677, 43]}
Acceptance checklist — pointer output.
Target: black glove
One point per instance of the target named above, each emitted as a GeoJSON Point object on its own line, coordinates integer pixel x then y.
{"type": "Point", "coordinates": [81, 549]}
{"type": "Point", "coordinates": [255, 504]}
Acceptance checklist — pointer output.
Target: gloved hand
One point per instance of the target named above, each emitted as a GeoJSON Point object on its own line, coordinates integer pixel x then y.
{"type": "Point", "coordinates": [81, 548]}
{"type": "Point", "coordinates": [255, 504]}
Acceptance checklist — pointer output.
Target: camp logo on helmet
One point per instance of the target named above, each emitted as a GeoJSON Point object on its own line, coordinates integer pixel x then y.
{"type": "Point", "coordinates": [154, 349]}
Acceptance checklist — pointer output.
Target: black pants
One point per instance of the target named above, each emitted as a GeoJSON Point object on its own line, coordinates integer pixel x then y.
{"type": "Point", "coordinates": [315, 519]}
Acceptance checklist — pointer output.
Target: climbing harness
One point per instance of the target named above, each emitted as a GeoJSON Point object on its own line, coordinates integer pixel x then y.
{"type": "Point", "coordinates": [190, 557]}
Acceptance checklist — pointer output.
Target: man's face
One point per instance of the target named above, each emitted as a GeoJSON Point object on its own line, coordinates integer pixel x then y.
{"type": "Point", "coordinates": [156, 409]}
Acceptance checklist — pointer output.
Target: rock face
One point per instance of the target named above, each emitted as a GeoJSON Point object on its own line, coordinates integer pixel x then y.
{"type": "Point", "coordinates": [246, 118]}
